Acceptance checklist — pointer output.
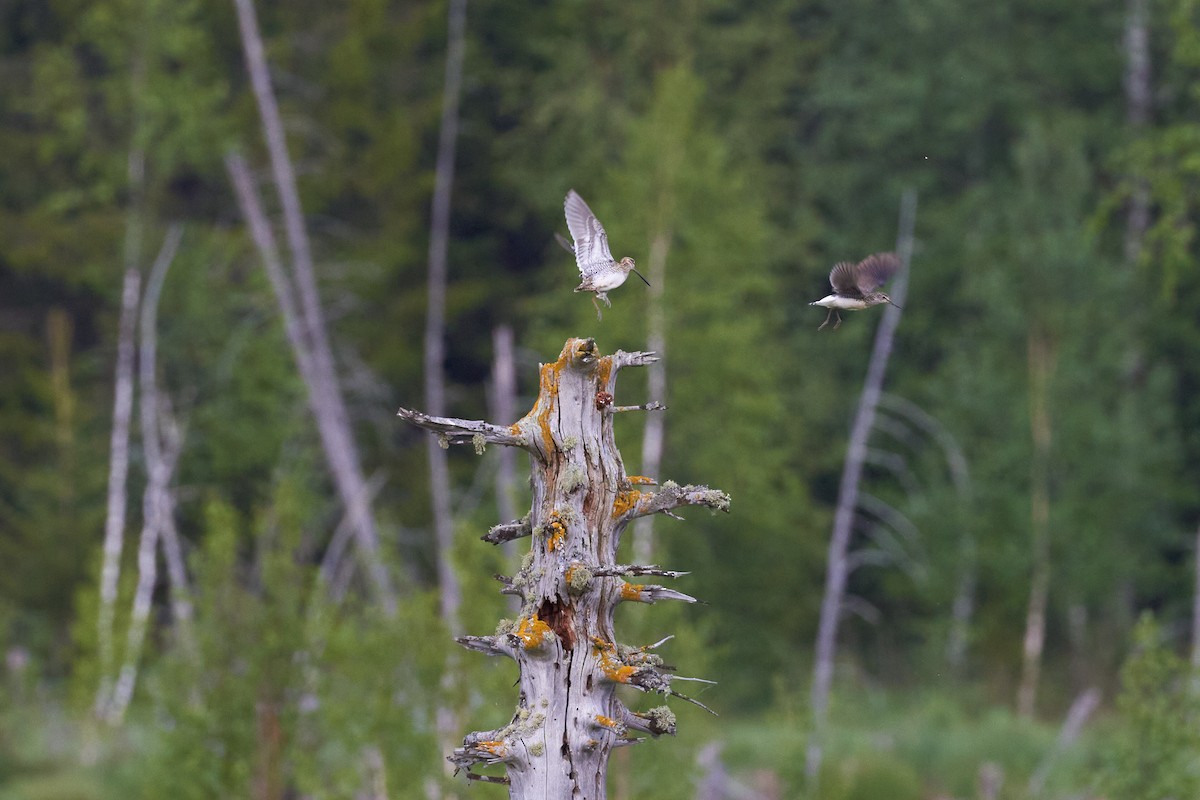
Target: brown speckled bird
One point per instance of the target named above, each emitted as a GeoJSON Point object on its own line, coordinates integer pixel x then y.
{"type": "Point", "coordinates": [854, 285]}
{"type": "Point", "coordinates": [598, 270]}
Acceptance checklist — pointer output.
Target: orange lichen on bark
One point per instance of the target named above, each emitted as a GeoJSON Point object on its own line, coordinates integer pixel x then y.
{"type": "Point", "coordinates": [610, 663]}
{"type": "Point", "coordinates": [603, 372]}
{"type": "Point", "coordinates": [548, 391]}
{"type": "Point", "coordinates": [632, 592]}
{"type": "Point", "coordinates": [624, 501]}
{"type": "Point", "coordinates": [607, 722]}
{"type": "Point", "coordinates": [493, 746]}
{"type": "Point", "coordinates": [532, 632]}
{"type": "Point", "coordinates": [556, 534]}
{"type": "Point", "coordinates": [640, 480]}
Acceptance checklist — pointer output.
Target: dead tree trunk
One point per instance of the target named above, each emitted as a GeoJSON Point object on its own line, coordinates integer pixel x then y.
{"type": "Point", "coordinates": [838, 562]}
{"type": "Point", "coordinates": [568, 717]}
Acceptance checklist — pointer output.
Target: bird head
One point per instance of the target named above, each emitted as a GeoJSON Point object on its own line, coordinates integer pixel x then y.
{"type": "Point", "coordinates": [884, 298]}
{"type": "Point", "coordinates": [627, 267]}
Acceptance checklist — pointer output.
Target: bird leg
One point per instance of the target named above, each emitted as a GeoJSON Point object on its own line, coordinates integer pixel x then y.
{"type": "Point", "coordinates": [599, 316]}
{"type": "Point", "coordinates": [837, 324]}
{"type": "Point", "coordinates": [826, 322]}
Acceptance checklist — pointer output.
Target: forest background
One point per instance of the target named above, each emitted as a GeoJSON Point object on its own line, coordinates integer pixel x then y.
{"type": "Point", "coordinates": [1039, 436]}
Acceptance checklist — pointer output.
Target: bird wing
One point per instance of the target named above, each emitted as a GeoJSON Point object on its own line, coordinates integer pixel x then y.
{"type": "Point", "coordinates": [591, 242]}
{"type": "Point", "coordinates": [875, 270]}
{"type": "Point", "coordinates": [844, 279]}
{"type": "Point", "coordinates": [564, 242]}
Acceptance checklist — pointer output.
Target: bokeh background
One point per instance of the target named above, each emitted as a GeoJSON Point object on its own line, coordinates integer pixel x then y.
{"type": "Point", "coordinates": [1041, 423]}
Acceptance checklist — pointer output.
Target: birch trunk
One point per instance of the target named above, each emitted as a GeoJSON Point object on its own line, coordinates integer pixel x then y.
{"type": "Point", "coordinates": [963, 606]}
{"type": "Point", "coordinates": [161, 438]}
{"type": "Point", "coordinates": [435, 318]}
{"type": "Point", "coordinates": [1138, 99]}
{"type": "Point", "coordinates": [325, 396]}
{"type": "Point", "coordinates": [1196, 604]}
{"type": "Point", "coordinates": [837, 567]}
{"type": "Point", "coordinates": [1041, 367]}
{"type": "Point", "coordinates": [568, 717]}
{"type": "Point", "coordinates": [503, 405]}
{"type": "Point", "coordinates": [654, 433]}
{"type": "Point", "coordinates": [449, 591]}
{"type": "Point", "coordinates": [118, 475]}
{"type": "Point", "coordinates": [161, 454]}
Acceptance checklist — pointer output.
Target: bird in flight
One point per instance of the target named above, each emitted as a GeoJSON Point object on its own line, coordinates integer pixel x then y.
{"type": "Point", "coordinates": [855, 285]}
{"type": "Point", "coordinates": [598, 271]}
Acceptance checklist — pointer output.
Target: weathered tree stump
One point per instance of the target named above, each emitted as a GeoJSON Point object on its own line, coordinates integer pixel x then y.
{"type": "Point", "coordinates": [568, 717]}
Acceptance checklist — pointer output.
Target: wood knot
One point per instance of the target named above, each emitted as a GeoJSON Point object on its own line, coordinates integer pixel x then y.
{"type": "Point", "coordinates": [581, 354]}
{"type": "Point", "coordinates": [603, 399]}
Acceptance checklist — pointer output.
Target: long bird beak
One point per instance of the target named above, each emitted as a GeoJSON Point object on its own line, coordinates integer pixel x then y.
{"type": "Point", "coordinates": [640, 275]}
{"type": "Point", "coordinates": [894, 305]}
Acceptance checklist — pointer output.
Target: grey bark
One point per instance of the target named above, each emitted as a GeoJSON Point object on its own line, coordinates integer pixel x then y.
{"type": "Point", "coordinates": [1077, 716]}
{"type": "Point", "coordinates": [1196, 604]}
{"type": "Point", "coordinates": [963, 605]}
{"type": "Point", "coordinates": [161, 436]}
{"type": "Point", "coordinates": [118, 474]}
{"type": "Point", "coordinates": [568, 718]}
{"type": "Point", "coordinates": [449, 593]}
{"type": "Point", "coordinates": [1040, 358]}
{"type": "Point", "coordinates": [1138, 100]}
{"type": "Point", "coordinates": [325, 396]}
{"type": "Point", "coordinates": [837, 567]}
{"type": "Point", "coordinates": [162, 454]}
{"type": "Point", "coordinates": [503, 405]}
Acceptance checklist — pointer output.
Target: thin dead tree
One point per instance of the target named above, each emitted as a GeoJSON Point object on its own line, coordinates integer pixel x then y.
{"type": "Point", "coordinates": [161, 436]}
{"type": "Point", "coordinates": [568, 717]}
{"type": "Point", "coordinates": [118, 475]}
{"type": "Point", "coordinates": [307, 331]}
{"type": "Point", "coordinates": [449, 591]}
{"type": "Point", "coordinates": [435, 319]}
{"type": "Point", "coordinates": [118, 466]}
{"type": "Point", "coordinates": [1138, 105]}
{"type": "Point", "coordinates": [161, 445]}
{"type": "Point", "coordinates": [502, 404]}
{"type": "Point", "coordinates": [1196, 604]}
{"type": "Point", "coordinates": [838, 564]}
{"type": "Point", "coordinates": [960, 477]}
{"type": "Point", "coordinates": [654, 433]}
{"type": "Point", "coordinates": [1041, 357]}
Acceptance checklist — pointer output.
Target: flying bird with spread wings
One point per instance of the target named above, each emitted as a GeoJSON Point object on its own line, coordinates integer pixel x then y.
{"type": "Point", "coordinates": [598, 270]}
{"type": "Point", "coordinates": [855, 285]}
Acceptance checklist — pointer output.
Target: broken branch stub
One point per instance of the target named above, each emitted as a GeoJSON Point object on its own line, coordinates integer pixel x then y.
{"type": "Point", "coordinates": [568, 717]}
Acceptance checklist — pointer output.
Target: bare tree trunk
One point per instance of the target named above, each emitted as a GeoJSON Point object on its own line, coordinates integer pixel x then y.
{"type": "Point", "coordinates": [1041, 367]}
{"type": "Point", "coordinates": [160, 434]}
{"type": "Point", "coordinates": [161, 453]}
{"type": "Point", "coordinates": [568, 717]}
{"type": "Point", "coordinates": [435, 320]}
{"type": "Point", "coordinates": [654, 433]}
{"type": "Point", "coordinates": [1138, 100]}
{"type": "Point", "coordinates": [449, 591]}
{"type": "Point", "coordinates": [837, 568]}
{"type": "Point", "coordinates": [1196, 606]}
{"type": "Point", "coordinates": [503, 405]}
{"type": "Point", "coordinates": [963, 605]}
{"type": "Point", "coordinates": [1081, 709]}
{"type": "Point", "coordinates": [268, 782]}
{"type": "Point", "coordinates": [118, 473]}
{"type": "Point", "coordinates": [325, 396]}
